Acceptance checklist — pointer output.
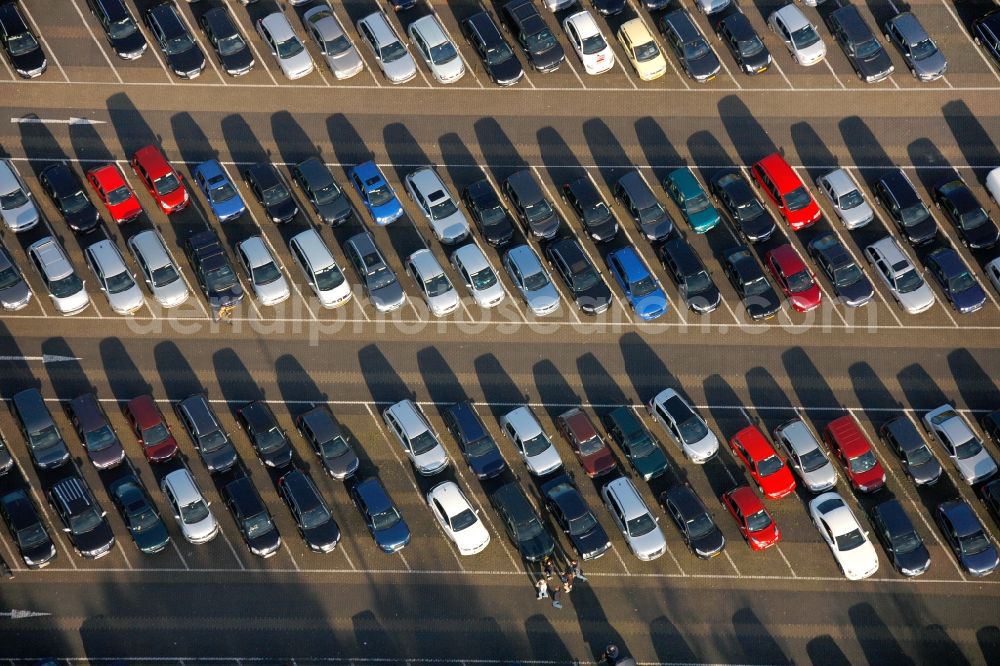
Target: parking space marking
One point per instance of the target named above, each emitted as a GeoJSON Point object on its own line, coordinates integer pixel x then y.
{"type": "Point", "coordinates": [100, 47]}
{"type": "Point", "coordinates": [611, 287]}
{"type": "Point", "coordinates": [774, 60]}
{"type": "Point", "coordinates": [972, 43]}
{"type": "Point", "coordinates": [41, 37]}
{"type": "Point", "coordinates": [830, 67]}
{"type": "Point", "coordinates": [777, 547]}
{"type": "Point", "coordinates": [179, 554]}
{"type": "Point", "coordinates": [44, 510]}
{"type": "Point", "coordinates": [231, 549]}
{"type": "Point", "coordinates": [573, 69]}
{"type": "Point", "coordinates": [171, 78]}
{"type": "Point", "coordinates": [15, 560]}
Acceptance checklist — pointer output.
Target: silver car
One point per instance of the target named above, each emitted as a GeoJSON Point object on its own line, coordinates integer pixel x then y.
{"type": "Point", "coordinates": [341, 56]}
{"type": "Point", "coordinates": [846, 198]}
{"type": "Point", "coordinates": [479, 277]}
{"type": "Point", "coordinates": [922, 55]}
{"type": "Point", "coordinates": [16, 205]}
{"type": "Point", "coordinates": [113, 277]}
{"type": "Point", "coordinates": [390, 53]}
{"type": "Point", "coordinates": [322, 272]}
{"type": "Point", "coordinates": [158, 269]}
{"type": "Point", "coordinates": [189, 506]}
{"type": "Point", "coordinates": [292, 56]}
{"type": "Point", "coordinates": [964, 448]}
{"type": "Point", "coordinates": [798, 34]}
{"type": "Point", "coordinates": [419, 441]}
{"type": "Point", "coordinates": [434, 285]}
{"type": "Point", "coordinates": [684, 425]}
{"type": "Point", "coordinates": [269, 285]}
{"type": "Point", "coordinates": [634, 519]}
{"type": "Point", "coordinates": [15, 293]}
{"type": "Point", "coordinates": [438, 51]}
{"type": "Point", "coordinates": [65, 287]}
{"type": "Point", "coordinates": [898, 273]}
{"type": "Point", "coordinates": [532, 280]}
{"type": "Point", "coordinates": [377, 278]}
{"type": "Point", "coordinates": [806, 456]}
{"type": "Point", "coordinates": [431, 195]}
{"type": "Point", "coordinates": [524, 431]}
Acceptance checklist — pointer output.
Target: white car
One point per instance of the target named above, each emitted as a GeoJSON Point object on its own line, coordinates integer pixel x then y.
{"type": "Point", "coordinates": [964, 448]}
{"type": "Point", "coordinates": [634, 519]}
{"type": "Point", "coordinates": [846, 198]}
{"type": "Point", "coordinates": [993, 185]}
{"type": "Point", "coordinates": [269, 285]}
{"type": "Point", "coordinates": [419, 441]}
{"type": "Point", "coordinates": [65, 287]}
{"type": "Point", "coordinates": [17, 208]}
{"type": "Point", "coordinates": [189, 507]}
{"type": "Point", "coordinates": [535, 448]}
{"type": "Point", "coordinates": [434, 285]}
{"type": "Point", "coordinates": [291, 54]}
{"type": "Point", "coordinates": [432, 197]}
{"type": "Point", "coordinates": [798, 34]}
{"type": "Point", "coordinates": [158, 268]}
{"type": "Point", "coordinates": [689, 430]}
{"type": "Point", "coordinates": [437, 50]}
{"type": "Point", "coordinates": [899, 274]}
{"type": "Point", "coordinates": [992, 270]}
{"type": "Point", "coordinates": [322, 272]}
{"type": "Point", "coordinates": [848, 542]}
{"type": "Point", "coordinates": [480, 278]}
{"type": "Point", "coordinates": [457, 518]}
{"type": "Point", "coordinates": [585, 36]}
{"type": "Point", "coordinates": [114, 277]}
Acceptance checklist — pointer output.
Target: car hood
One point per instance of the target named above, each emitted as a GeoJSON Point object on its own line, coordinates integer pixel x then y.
{"type": "Point", "coordinates": [814, 53]}
{"type": "Point", "coordinates": [283, 211]}
{"type": "Point", "coordinates": [594, 299]}
{"type": "Point", "coordinates": [487, 296]}
{"type": "Point", "coordinates": [449, 71]}
{"type": "Point", "coordinates": [806, 300]}
{"type": "Point", "coordinates": [96, 539]}
{"type": "Point", "coordinates": [547, 227]}
{"type": "Point", "coordinates": [451, 228]}
{"type": "Point", "coordinates": [160, 451]}
{"type": "Point", "coordinates": [221, 459]}
{"type": "Point", "coordinates": [651, 305]}
{"type": "Point", "coordinates": [15, 296]}
{"type": "Point", "coordinates": [758, 229]}
{"type": "Point", "coordinates": [537, 547]}
{"type": "Point", "coordinates": [591, 544]}
{"type": "Point", "coordinates": [648, 543]}
{"type": "Point", "coordinates": [709, 545]}
{"type": "Point", "coordinates": [651, 465]}
{"type": "Point", "coordinates": [704, 220]}
{"type": "Point", "coordinates": [603, 231]}
{"type": "Point", "coordinates": [985, 235]}
{"type": "Point", "coordinates": [345, 64]}
{"type": "Point", "coordinates": [126, 209]}
{"type": "Point", "coordinates": [976, 468]}
{"type": "Point", "coordinates": [127, 301]}
{"type": "Point", "coordinates": [545, 299]}
{"type": "Point", "coordinates": [917, 560]}
{"type": "Point", "coordinates": [22, 217]}
{"type": "Point", "coordinates": [84, 219]}
{"type": "Point", "coordinates": [266, 543]}
{"type": "Point", "coordinates": [322, 537]}
{"type": "Point", "coordinates": [387, 212]}
{"type": "Point", "coordinates": [704, 67]}
{"type": "Point", "coordinates": [489, 464]}
{"type": "Point", "coordinates": [434, 459]}
{"type": "Point", "coordinates": [237, 62]}
{"type": "Point", "coordinates": [272, 292]}
{"type": "Point", "coordinates": [176, 198]}
{"type": "Point", "coordinates": [107, 457]}
{"type": "Point", "coordinates": [152, 540]}
{"type": "Point", "coordinates": [402, 69]}
{"type": "Point", "coordinates": [298, 65]}
{"type": "Point", "coordinates": [130, 46]}
{"type": "Point", "coordinates": [762, 306]}
{"type": "Point", "coordinates": [982, 563]}
{"type": "Point", "coordinates": [969, 300]}
{"type": "Point", "coordinates": [230, 296]}
{"type": "Point", "coordinates": [507, 72]}
{"type": "Point", "coordinates": [704, 448]}
{"type": "Point", "coordinates": [870, 480]}
{"type": "Point", "coordinates": [859, 562]}
{"type": "Point", "coordinates": [917, 300]}
{"type": "Point", "coordinates": [393, 538]}
{"type": "Point", "coordinates": [546, 59]}
{"type": "Point", "coordinates": [545, 462]}
{"type": "Point", "coordinates": [932, 66]}
{"type": "Point", "coordinates": [598, 463]}
{"type": "Point", "coordinates": [335, 211]}
{"type": "Point", "coordinates": [229, 208]}
{"type": "Point", "coordinates": [758, 62]}
{"type": "Point", "coordinates": [342, 466]}
{"type": "Point", "coordinates": [779, 484]}
{"type": "Point", "coordinates": [444, 303]}
{"type": "Point", "coordinates": [189, 61]}
{"type": "Point", "coordinates": [820, 479]}
{"type": "Point", "coordinates": [921, 232]}
{"type": "Point", "coordinates": [856, 294]}
{"type": "Point", "coordinates": [929, 472]}
{"type": "Point", "coordinates": [39, 555]}
{"type": "Point", "coordinates": [171, 295]}
{"type": "Point", "coordinates": [657, 229]}
{"type": "Point", "coordinates": [72, 303]}
{"type": "Point", "coordinates": [30, 61]}
{"type": "Point", "coordinates": [705, 301]}
{"type": "Point", "coordinates": [51, 456]}
{"type": "Point", "coordinates": [278, 458]}
{"type": "Point", "coordinates": [877, 66]}
{"type": "Point", "coordinates": [389, 297]}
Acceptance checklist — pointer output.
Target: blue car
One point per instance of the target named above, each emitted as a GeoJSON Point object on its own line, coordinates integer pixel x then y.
{"type": "Point", "coordinates": [475, 441]}
{"type": "Point", "coordinates": [640, 286]}
{"type": "Point", "coordinates": [375, 191]}
{"type": "Point", "coordinates": [956, 280]}
{"type": "Point", "coordinates": [387, 526]}
{"type": "Point", "coordinates": [223, 197]}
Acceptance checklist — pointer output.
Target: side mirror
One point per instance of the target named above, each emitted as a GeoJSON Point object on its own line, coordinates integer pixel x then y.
{"type": "Point", "coordinates": [65, 529]}
{"type": "Point", "coordinates": [104, 514]}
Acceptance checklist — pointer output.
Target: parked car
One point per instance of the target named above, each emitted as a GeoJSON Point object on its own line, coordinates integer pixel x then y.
{"type": "Point", "coordinates": [332, 41]}
{"type": "Point", "coordinates": [6, 460]}
{"type": "Point", "coordinates": [581, 277]}
{"type": "Point", "coordinates": [33, 542]}
{"type": "Point", "coordinates": [15, 294]}
{"type": "Point", "coordinates": [973, 462]}
{"type": "Point", "coordinates": [896, 194]}
{"type": "Point", "coordinates": [686, 428]}
{"type": "Point", "coordinates": [328, 442]}
{"type": "Point", "coordinates": [694, 282]}
{"type": "Point", "coordinates": [533, 208]}
{"type": "Point", "coordinates": [848, 442]}
{"type": "Point", "coordinates": [120, 28]}
{"type": "Point", "coordinates": [389, 52]}
{"type": "Point", "coordinates": [231, 48]}
{"type": "Point", "coordinates": [587, 40]}
{"type": "Point", "coordinates": [582, 196]}
{"type": "Point", "coordinates": [420, 443]}
{"type": "Point", "coordinates": [215, 274]}
{"type": "Point", "coordinates": [849, 282]}
{"type": "Point", "coordinates": [572, 514]}
{"type": "Point", "coordinates": [522, 428]}
{"type": "Point", "coordinates": [696, 526]}
{"type": "Point", "coordinates": [436, 49]}
{"type": "Point", "coordinates": [540, 46]}
{"type": "Point", "coordinates": [475, 442]}
{"type": "Point", "coordinates": [376, 193]}
{"type": "Point", "coordinates": [373, 271]}
{"type": "Point", "coordinates": [594, 455]}
{"type": "Point", "coordinates": [975, 228]}
{"type": "Point", "coordinates": [921, 53]}
{"type": "Point", "coordinates": [768, 470]}
{"type": "Point", "coordinates": [794, 278]}
{"type": "Point", "coordinates": [900, 276]}
{"type": "Point", "coordinates": [65, 190]}
{"type": "Point", "coordinates": [54, 269]}
{"type": "Point", "coordinates": [320, 268]}
{"type": "Point", "coordinates": [532, 280]}
{"type": "Point", "coordinates": [805, 456]}
{"type": "Point", "coordinates": [95, 431]}
{"type": "Point", "coordinates": [163, 183]}
{"type": "Point", "coordinates": [684, 188]}
{"type": "Point", "coordinates": [634, 519]}
{"type": "Point", "coordinates": [488, 213]}
{"type": "Point", "coordinates": [846, 198]}
{"type": "Point", "coordinates": [786, 191]}
{"type": "Point", "coordinates": [382, 518]}
{"type": "Point", "coordinates": [267, 281]}
{"type": "Point", "coordinates": [479, 277]}
{"type": "Point", "coordinates": [270, 190]}
{"type": "Point", "coordinates": [113, 277]}
{"type": "Point", "coordinates": [751, 219]}
{"type": "Point", "coordinates": [17, 206]}
{"type": "Point", "coordinates": [859, 44]}
{"type": "Point", "coordinates": [798, 33]}
{"type": "Point", "coordinates": [460, 522]}
{"type": "Point", "coordinates": [139, 514]}
{"type": "Point", "coordinates": [323, 192]}
{"type": "Point", "coordinates": [959, 285]}
{"type": "Point", "coordinates": [641, 50]}
{"type": "Point", "coordinates": [210, 439]}
{"type": "Point", "coordinates": [650, 217]}
{"type": "Point", "coordinates": [523, 526]}
{"type": "Point", "coordinates": [23, 48]}
{"type": "Point", "coordinates": [309, 510]}
{"type": "Point", "coordinates": [986, 33]}
{"type": "Point", "coordinates": [900, 435]}
{"type": "Point", "coordinates": [970, 543]}
{"type": "Point", "coordinates": [45, 443]}
{"type": "Point", "coordinates": [752, 519]}
{"type": "Point", "coordinates": [82, 517]}
{"type": "Point", "coordinates": [191, 509]}
{"type": "Point", "coordinates": [224, 199]}
{"type": "Point", "coordinates": [498, 58]}
{"type": "Point", "coordinates": [746, 46]}
{"type": "Point", "coordinates": [639, 445]}
{"type": "Point", "coordinates": [158, 268]}
{"type": "Point", "coordinates": [696, 57]}
{"type": "Point", "coordinates": [744, 273]}
{"type": "Point", "coordinates": [180, 50]}
{"type": "Point", "coordinates": [114, 192]}
{"type": "Point", "coordinates": [848, 541]}
{"type": "Point", "coordinates": [266, 435]}
{"type": "Point", "coordinates": [438, 206]}
{"type": "Point", "coordinates": [252, 518]}
{"type": "Point", "coordinates": [902, 544]}
{"type": "Point", "coordinates": [286, 47]}
{"type": "Point", "coordinates": [150, 429]}
{"type": "Point", "coordinates": [989, 494]}
{"type": "Point", "coordinates": [640, 286]}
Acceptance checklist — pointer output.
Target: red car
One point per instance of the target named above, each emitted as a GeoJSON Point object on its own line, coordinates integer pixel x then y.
{"type": "Point", "coordinates": [112, 188]}
{"type": "Point", "coordinates": [794, 277]}
{"type": "Point", "coordinates": [784, 187]}
{"type": "Point", "coordinates": [594, 454]}
{"type": "Point", "coordinates": [848, 442]}
{"type": "Point", "coordinates": [153, 433]}
{"type": "Point", "coordinates": [160, 179]}
{"type": "Point", "coordinates": [767, 468]}
{"type": "Point", "coordinates": [755, 523]}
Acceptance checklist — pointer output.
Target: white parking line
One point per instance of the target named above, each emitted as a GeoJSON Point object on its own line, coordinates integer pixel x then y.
{"type": "Point", "coordinates": [52, 53]}
{"type": "Point", "coordinates": [171, 77]}
{"type": "Point", "coordinates": [569, 62]}
{"type": "Point", "coordinates": [100, 47]}
{"type": "Point", "coordinates": [975, 47]}
{"type": "Point", "coordinates": [179, 554]}
{"type": "Point", "coordinates": [583, 244]}
{"type": "Point", "coordinates": [774, 60]}
{"type": "Point", "coordinates": [232, 550]}
{"type": "Point", "coordinates": [830, 67]}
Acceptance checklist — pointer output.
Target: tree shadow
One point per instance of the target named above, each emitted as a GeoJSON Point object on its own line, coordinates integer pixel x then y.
{"type": "Point", "coordinates": [769, 399]}
{"type": "Point", "coordinates": [499, 154]}
{"type": "Point", "coordinates": [864, 148]}
{"type": "Point", "coordinates": [748, 136]}
{"type": "Point", "coordinates": [977, 387]}
{"type": "Point", "coordinates": [824, 651]}
{"type": "Point", "coordinates": [384, 384]}
{"type": "Point", "coordinates": [937, 647]}
{"type": "Point", "coordinates": [812, 150]}
{"type": "Point", "coordinates": [669, 643]}
{"type": "Point", "coordinates": [877, 641]}
{"type": "Point", "coordinates": [971, 137]}
{"type": "Point", "coordinates": [298, 390]}
{"type": "Point", "coordinates": [441, 382]}
{"type": "Point", "coordinates": [644, 367]}
{"type": "Point", "coordinates": [931, 165]}
{"type": "Point", "coordinates": [722, 469]}
{"type": "Point", "coordinates": [598, 384]}
{"type": "Point", "coordinates": [553, 389]}
{"type": "Point", "coordinates": [67, 377]}
{"type": "Point", "coordinates": [348, 145]}
{"type": "Point", "coordinates": [373, 638]}
{"type": "Point", "coordinates": [758, 644]}
{"type": "Point", "coordinates": [176, 374]}
{"type": "Point", "coordinates": [37, 139]}
{"type": "Point", "coordinates": [130, 126]}
{"type": "Point", "coordinates": [544, 641]}
{"type": "Point", "coordinates": [17, 376]}
{"type": "Point", "coordinates": [598, 632]}
{"type": "Point", "coordinates": [808, 382]}
{"type": "Point", "coordinates": [124, 378]}
{"type": "Point", "coordinates": [873, 395]}
{"type": "Point", "coordinates": [458, 161]}
{"type": "Point", "coordinates": [921, 391]}
{"type": "Point", "coordinates": [293, 142]}
{"type": "Point", "coordinates": [989, 643]}
{"type": "Point", "coordinates": [234, 379]}
{"type": "Point", "coordinates": [405, 154]}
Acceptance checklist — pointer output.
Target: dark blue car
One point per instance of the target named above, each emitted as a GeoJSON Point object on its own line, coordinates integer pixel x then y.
{"type": "Point", "coordinates": [567, 506]}
{"type": "Point", "coordinates": [966, 537]}
{"type": "Point", "coordinates": [956, 280]}
{"type": "Point", "coordinates": [477, 445]}
{"type": "Point", "coordinates": [383, 519]}
{"type": "Point", "coordinates": [376, 193]}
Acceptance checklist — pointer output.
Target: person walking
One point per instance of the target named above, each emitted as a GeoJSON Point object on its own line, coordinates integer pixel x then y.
{"type": "Point", "coordinates": [543, 589]}
{"type": "Point", "coordinates": [568, 582]}
{"type": "Point", "coordinates": [548, 568]}
{"type": "Point", "coordinates": [574, 568]}
{"type": "Point", "coordinates": [555, 597]}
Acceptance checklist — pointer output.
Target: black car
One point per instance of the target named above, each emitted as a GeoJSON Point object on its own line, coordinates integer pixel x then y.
{"type": "Point", "coordinates": [960, 206]}
{"type": "Point", "coordinates": [523, 526]}
{"type": "Point", "coordinates": [26, 526]}
{"type": "Point", "coordinates": [990, 495]}
{"type": "Point", "coordinates": [82, 517]}
{"type": "Point", "coordinates": [215, 274]}
{"type": "Point", "coordinates": [271, 192]}
{"type": "Point", "coordinates": [896, 194]}
{"type": "Point", "coordinates": [119, 27]}
{"type": "Point", "coordinates": [181, 51]}
{"type": "Point", "coordinates": [640, 447]}
{"type": "Point", "coordinates": [959, 285]}
{"type": "Point", "coordinates": [318, 427]}
{"type": "Point", "coordinates": [749, 215]}
{"type": "Point", "coordinates": [66, 192]}
{"type": "Point", "coordinates": [849, 282]}
{"type": "Point", "coordinates": [634, 194]}
{"type": "Point", "coordinates": [139, 513]}
{"type": "Point", "coordinates": [902, 544]}
{"type": "Point", "coordinates": [497, 56]}
{"type": "Point", "coordinates": [697, 58]}
{"type": "Point", "coordinates": [488, 213]}
{"type": "Point", "coordinates": [571, 512]}
{"type": "Point", "coordinates": [744, 43]}
{"type": "Point", "coordinates": [230, 46]}
{"type": "Point", "coordinates": [699, 531]}
{"type": "Point", "coordinates": [387, 527]}
{"type": "Point", "coordinates": [598, 221]}
{"type": "Point", "coordinates": [609, 7]}
{"type": "Point", "coordinates": [316, 525]}
{"type": "Point", "coordinates": [322, 190]}
{"type": "Point", "coordinates": [744, 273]}
{"type": "Point", "coordinates": [534, 36]}
{"type": "Point", "coordinates": [966, 537]}
{"type": "Point", "coordinates": [98, 436]}
{"type": "Point", "coordinates": [536, 213]}
{"type": "Point", "coordinates": [477, 445]}
{"type": "Point", "coordinates": [905, 440]}
{"type": "Point", "coordinates": [209, 437]}
{"type": "Point", "coordinates": [590, 293]}
{"type": "Point", "coordinates": [268, 439]}
{"type": "Point", "coordinates": [986, 31]}
{"type": "Point", "coordinates": [867, 56]}
{"type": "Point", "coordinates": [990, 424]}
{"type": "Point", "coordinates": [23, 48]}
{"type": "Point", "coordinates": [252, 518]}
{"type": "Point", "coordinates": [6, 460]}
{"type": "Point", "coordinates": [695, 284]}
{"type": "Point", "coordinates": [45, 442]}
{"type": "Point", "coordinates": [14, 291]}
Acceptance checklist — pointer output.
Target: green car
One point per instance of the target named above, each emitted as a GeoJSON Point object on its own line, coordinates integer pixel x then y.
{"type": "Point", "coordinates": [640, 447]}
{"type": "Point", "coordinates": [690, 197]}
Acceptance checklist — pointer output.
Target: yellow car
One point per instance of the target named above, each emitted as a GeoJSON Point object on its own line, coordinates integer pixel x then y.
{"type": "Point", "coordinates": [642, 50]}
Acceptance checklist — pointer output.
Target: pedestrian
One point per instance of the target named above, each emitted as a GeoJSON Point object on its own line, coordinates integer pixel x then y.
{"type": "Point", "coordinates": [555, 597]}
{"type": "Point", "coordinates": [574, 566]}
{"type": "Point", "coordinates": [547, 567]}
{"type": "Point", "coordinates": [568, 582]}
{"type": "Point", "coordinates": [543, 589]}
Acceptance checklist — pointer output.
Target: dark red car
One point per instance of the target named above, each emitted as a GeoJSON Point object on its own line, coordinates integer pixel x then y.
{"type": "Point", "coordinates": [162, 181]}
{"type": "Point", "coordinates": [767, 468]}
{"type": "Point", "coordinates": [144, 417]}
{"type": "Point", "coordinates": [594, 454]}
{"type": "Point", "coordinates": [794, 277]}
{"type": "Point", "coordinates": [754, 522]}
{"type": "Point", "coordinates": [848, 442]}
{"type": "Point", "coordinates": [111, 187]}
{"type": "Point", "coordinates": [784, 187]}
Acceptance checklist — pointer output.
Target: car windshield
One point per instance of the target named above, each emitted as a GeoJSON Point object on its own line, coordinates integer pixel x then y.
{"type": "Point", "coordinates": [641, 444]}
{"type": "Point", "coordinates": [536, 445]}
{"type": "Point", "coordinates": [21, 44]}
{"type": "Point", "coordinates": [66, 286]}
{"type": "Point", "coordinates": [223, 192]}
{"type": "Point", "coordinates": [804, 37]}
{"type": "Point", "coordinates": [697, 203]}
{"type": "Point", "coordinates": [289, 48]}
{"type": "Point", "coordinates": [275, 195]}
{"type": "Point", "coordinates": [314, 517]}
{"type": "Point", "coordinates": [700, 526]}
{"type": "Point", "coordinates": [756, 287]}
{"type": "Point", "coordinates": [266, 274]}
{"type": "Point", "coordinates": [852, 199]}
{"type": "Point", "coordinates": [539, 210]}
{"type": "Point", "coordinates": [179, 44]}
{"type": "Point", "coordinates": [213, 441]}
{"type": "Point", "coordinates": [143, 520]}
{"type": "Point", "coordinates": [381, 278]}
{"type": "Point", "coordinates": [155, 435]}
{"type": "Point", "coordinates": [914, 214]}
{"type": "Point", "coordinates": [695, 49]}
{"type": "Point", "coordinates": [961, 282]}
{"type": "Point", "coordinates": [797, 199]}
{"type": "Point", "coordinates": [164, 275]}
{"type": "Point", "coordinates": [463, 520]}
{"type": "Point", "coordinates": [867, 48]}
{"type": "Point", "coordinates": [582, 524]}
{"type": "Point", "coordinates": [919, 456]}
{"type": "Point", "coordinates": [923, 49]}
{"type": "Point", "coordinates": [750, 47]}
{"type": "Point", "coordinates": [326, 194]}
{"type": "Point", "coordinates": [498, 54]}
{"type": "Point", "coordinates": [270, 440]}
{"type": "Point", "coordinates": [845, 276]}
{"type": "Point", "coordinates": [597, 213]}
{"type": "Point", "coordinates": [800, 281]}
{"type": "Point", "coordinates": [974, 218]}
{"type": "Point", "coordinates": [74, 203]}
{"type": "Point", "coordinates": [758, 521]}
{"type": "Point", "coordinates": [862, 463]}
{"type": "Point", "coordinates": [384, 520]}
{"type": "Point", "coordinates": [334, 447]}
{"type": "Point", "coordinates": [585, 279]}
{"type": "Point", "coordinates": [969, 448]}
{"type": "Point", "coordinates": [593, 44]}
{"type": "Point", "coordinates": [119, 195]}
{"type": "Point", "coordinates": [221, 278]}
{"type": "Point", "coordinates": [444, 209]}
{"type": "Point", "coordinates": [32, 536]}
{"type": "Point", "coordinates": [195, 512]}
{"type": "Point", "coordinates": [393, 52]}
{"type": "Point", "coordinates": [643, 287]}
{"type": "Point", "coordinates": [121, 28]}
{"type": "Point", "coordinates": [437, 285]}
{"type": "Point", "coordinates": [9, 277]}
{"type": "Point", "coordinates": [646, 52]}
{"type": "Point", "coordinates": [480, 447]}
{"type": "Point", "coordinates": [543, 40]}
{"type": "Point", "coordinates": [483, 279]}
{"type": "Point", "coordinates": [166, 184]}
{"type": "Point", "coordinates": [423, 443]}
{"type": "Point", "coordinates": [231, 44]}
{"type": "Point", "coordinates": [116, 284]}
{"type": "Point", "coordinates": [443, 53]}
{"type": "Point", "coordinates": [529, 530]}
{"type": "Point", "coordinates": [637, 527]}
{"type": "Point", "coordinates": [13, 199]}
{"type": "Point", "coordinates": [651, 214]}
{"type": "Point", "coordinates": [909, 281]}
{"type": "Point", "coordinates": [590, 446]}
{"type": "Point", "coordinates": [770, 465]}
{"type": "Point", "coordinates": [337, 46]}
{"type": "Point", "coordinates": [44, 438]}
{"type": "Point", "coordinates": [257, 525]}
{"type": "Point", "coordinates": [85, 522]}
{"type": "Point", "coordinates": [906, 543]}
{"type": "Point", "coordinates": [329, 278]}
{"type": "Point", "coordinates": [379, 196]}
{"type": "Point", "coordinates": [536, 281]}
{"type": "Point", "coordinates": [974, 543]}
{"type": "Point", "coordinates": [812, 460]}
{"type": "Point", "coordinates": [100, 439]}
{"type": "Point", "coordinates": [850, 541]}
{"type": "Point", "coordinates": [692, 429]}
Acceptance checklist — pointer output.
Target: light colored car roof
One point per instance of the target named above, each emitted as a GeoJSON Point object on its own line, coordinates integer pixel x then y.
{"type": "Point", "coordinates": [408, 415]}
{"type": "Point", "coordinates": [524, 423]}
{"type": "Point", "coordinates": [636, 31]}
{"type": "Point", "coordinates": [328, 24]}
{"type": "Point", "coordinates": [278, 27]}
{"type": "Point", "coordinates": [840, 181]}
{"type": "Point", "coordinates": [425, 263]}
{"type": "Point", "coordinates": [799, 436]}
{"type": "Point", "coordinates": [890, 251]}
{"type": "Point", "coordinates": [628, 497]}
{"type": "Point", "coordinates": [450, 497]}
{"type": "Point", "coordinates": [792, 17]}
{"type": "Point", "coordinates": [954, 426]}
{"type": "Point", "coordinates": [472, 258]}
{"type": "Point", "coordinates": [182, 485]}
{"type": "Point", "coordinates": [315, 251]}
{"type": "Point", "coordinates": [584, 23]}
{"type": "Point", "coordinates": [107, 256]}
{"type": "Point", "coordinates": [381, 28]}
{"type": "Point", "coordinates": [256, 252]}
{"type": "Point", "coordinates": [51, 257]}
{"type": "Point", "coordinates": [426, 181]}
{"type": "Point", "coordinates": [364, 245]}
{"type": "Point", "coordinates": [152, 248]}
{"type": "Point", "coordinates": [840, 519]}
{"type": "Point", "coordinates": [430, 29]}
{"type": "Point", "coordinates": [8, 181]}
{"type": "Point", "coordinates": [993, 184]}
{"type": "Point", "coordinates": [525, 259]}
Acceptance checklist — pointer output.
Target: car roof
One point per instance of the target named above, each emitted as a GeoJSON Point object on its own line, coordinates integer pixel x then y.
{"type": "Point", "coordinates": [755, 443]}
{"type": "Point", "coordinates": [631, 264]}
{"type": "Point", "coordinates": [52, 258]}
{"type": "Point", "coordinates": [374, 495]}
{"type": "Point", "coordinates": [955, 427]}
{"type": "Point", "coordinates": [525, 259]}
{"type": "Point", "coordinates": [747, 501]}
{"type": "Point", "coordinates": [584, 23]}
{"type": "Point", "coordinates": [685, 181]}
{"type": "Point", "coordinates": [637, 189]}
{"type": "Point", "coordinates": [408, 415]}
{"type": "Point", "coordinates": [628, 497]}
{"type": "Point", "coordinates": [948, 260]}
{"type": "Point", "coordinates": [832, 249]}
{"type": "Point", "coordinates": [166, 15]}
{"type": "Point", "coordinates": [571, 253]}
{"type": "Point", "coordinates": [902, 190]}
{"type": "Point", "coordinates": [635, 29]}
{"type": "Point", "coordinates": [315, 251]}
{"type": "Point", "coordinates": [481, 189]}
{"type": "Point", "coordinates": [210, 169]}
{"type": "Point", "coordinates": [686, 500]}
{"type": "Point", "coordinates": [799, 436]}
{"type": "Point", "coordinates": [569, 498]}
{"type": "Point", "coordinates": [450, 497]}
{"type": "Point", "coordinates": [312, 169]}
{"type": "Point", "coordinates": [425, 263]}
{"type": "Point", "coordinates": [683, 255]}
{"type": "Point", "coordinates": [787, 259]}
{"type": "Point", "coordinates": [739, 26]}
{"type": "Point", "coordinates": [855, 28]}
{"type": "Point", "coordinates": [200, 413]}
{"type": "Point", "coordinates": [467, 421]}
{"type": "Point", "coordinates": [905, 433]}
{"type": "Point", "coordinates": [909, 27]}
{"type": "Point", "coordinates": [850, 438]}
{"type": "Point", "coordinates": [11, 17]}
{"type": "Point", "coordinates": [680, 21]}
{"type": "Point", "coordinates": [183, 486]}
{"type": "Point", "coordinates": [585, 192]}
{"type": "Point", "coordinates": [20, 508]}
{"type": "Point", "coordinates": [894, 518]}
{"type": "Point", "coordinates": [258, 415]}
{"type": "Point", "coordinates": [277, 26]}
{"type": "Point", "coordinates": [31, 409]}
{"type": "Point", "coordinates": [471, 257]}
{"type": "Point", "coordinates": [152, 248]}
{"type": "Point", "coordinates": [426, 181]}
{"type": "Point", "coordinates": [265, 174]}
{"type": "Point", "coordinates": [840, 181]}
{"type": "Point", "coordinates": [107, 256]}
{"type": "Point", "coordinates": [244, 497]}
{"type": "Point", "coordinates": [512, 498]}
{"type": "Point", "coordinates": [792, 17]}
{"type": "Point", "coordinates": [144, 411]}
{"type": "Point", "coordinates": [961, 517]}
{"type": "Point", "coordinates": [73, 494]}
{"type": "Point", "coordinates": [743, 262]}
{"type": "Point", "coordinates": [524, 422]}
{"type": "Point", "coordinates": [364, 245]}
{"type": "Point", "coordinates": [578, 424]}
{"type": "Point", "coordinates": [256, 252]}
{"type": "Point", "coordinates": [88, 412]}
{"type": "Point", "coordinates": [61, 178]}
{"type": "Point", "coordinates": [328, 24]}
{"type": "Point", "coordinates": [486, 28]}
{"type": "Point", "coordinates": [957, 192]}
{"type": "Point", "coordinates": [368, 170]}
{"type": "Point", "coordinates": [300, 486]}
{"type": "Point", "coordinates": [430, 29]}
{"type": "Point", "coordinates": [525, 186]}
{"type": "Point", "coordinates": [153, 161]}
{"type": "Point", "coordinates": [321, 422]}
{"type": "Point", "coordinates": [379, 25]}
{"type": "Point", "coordinates": [840, 518]}
{"type": "Point", "coordinates": [220, 21]}
{"type": "Point", "coordinates": [8, 178]}
{"type": "Point", "coordinates": [780, 173]}
{"type": "Point", "coordinates": [890, 251]}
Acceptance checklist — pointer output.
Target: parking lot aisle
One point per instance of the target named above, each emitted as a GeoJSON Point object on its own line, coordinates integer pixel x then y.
{"type": "Point", "coordinates": [83, 20]}
{"type": "Point", "coordinates": [65, 35]}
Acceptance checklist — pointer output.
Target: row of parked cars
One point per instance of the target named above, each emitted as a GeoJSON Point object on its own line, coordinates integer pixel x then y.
{"type": "Point", "coordinates": [772, 468]}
